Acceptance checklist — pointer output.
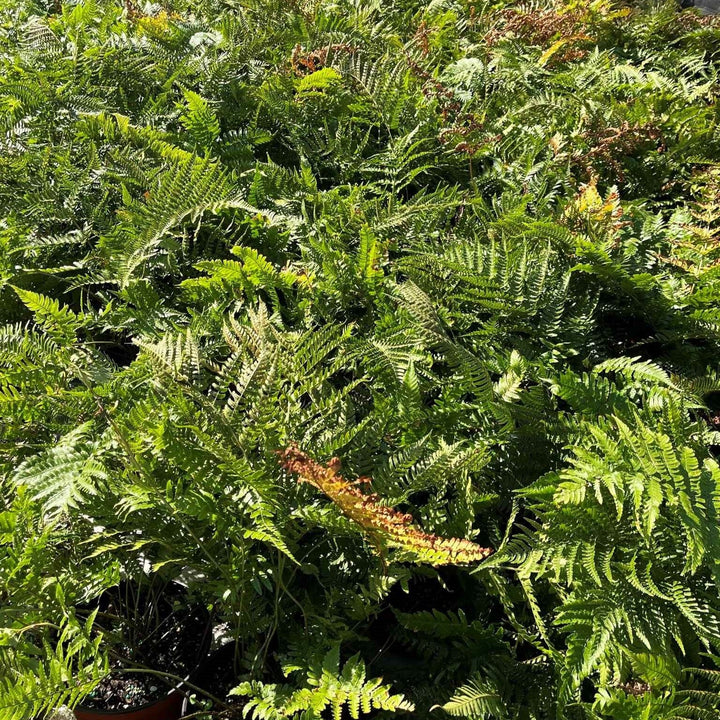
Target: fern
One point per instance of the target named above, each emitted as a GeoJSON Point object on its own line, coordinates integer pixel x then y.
{"type": "Point", "coordinates": [71, 671]}
{"type": "Point", "coordinates": [468, 248]}
{"type": "Point", "coordinates": [383, 525]}
{"type": "Point", "coordinates": [187, 189]}
{"type": "Point", "coordinates": [327, 685]}
{"type": "Point", "coordinates": [200, 121]}
{"type": "Point", "coordinates": [65, 475]}
{"type": "Point", "coordinates": [477, 699]}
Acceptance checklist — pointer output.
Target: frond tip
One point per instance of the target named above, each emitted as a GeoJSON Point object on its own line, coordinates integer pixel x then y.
{"type": "Point", "coordinates": [384, 525]}
{"type": "Point", "coordinates": [479, 698]}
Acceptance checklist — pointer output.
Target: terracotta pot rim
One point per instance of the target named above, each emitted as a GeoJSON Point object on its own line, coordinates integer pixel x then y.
{"type": "Point", "coordinates": [135, 708]}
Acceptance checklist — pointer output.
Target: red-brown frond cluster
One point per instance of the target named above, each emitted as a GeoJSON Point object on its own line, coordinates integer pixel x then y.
{"type": "Point", "coordinates": [306, 62]}
{"type": "Point", "coordinates": [610, 145]}
{"type": "Point", "coordinates": [537, 27]}
{"type": "Point", "coordinates": [382, 523]}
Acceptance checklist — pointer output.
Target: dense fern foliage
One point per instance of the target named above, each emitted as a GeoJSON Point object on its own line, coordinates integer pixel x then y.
{"type": "Point", "coordinates": [312, 303]}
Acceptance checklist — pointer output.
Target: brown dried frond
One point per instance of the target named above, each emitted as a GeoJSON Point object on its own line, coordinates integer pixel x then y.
{"type": "Point", "coordinates": [691, 20]}
{"type": "Point", "coordinates": [307, 62]}
{"type": "Point", "coordinates": [132, 10]}
{"type": "Point", "coordinates": [466, 135]}
{"type": "Point", "coordinates": [422, 37]}
{"type": "Point", "coordinates": [609, 145]}
{"type": "Point", "coordinates": [433, 89]}
{"type": "Point", "coordinates": [384, 525]}
{"type": "Point", "coordinates": [570, 54]}
{"type": "Point", "coordinates": [537, 27]}
{"type": "Point", "coordinates": [635, 687]}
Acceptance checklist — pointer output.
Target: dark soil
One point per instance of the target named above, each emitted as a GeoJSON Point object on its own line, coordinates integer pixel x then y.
{"type": "Point", "coordinates": [123, 692]}
{"type": "Point", "coordinates": [150, 628]}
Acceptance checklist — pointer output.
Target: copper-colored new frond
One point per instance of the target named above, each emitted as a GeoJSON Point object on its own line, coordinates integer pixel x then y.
{"type": "Point", "coordinates": [383, 524]}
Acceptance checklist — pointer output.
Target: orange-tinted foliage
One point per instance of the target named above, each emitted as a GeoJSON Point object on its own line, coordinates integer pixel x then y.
{"type": "Point", "coordinates": [384, 525]}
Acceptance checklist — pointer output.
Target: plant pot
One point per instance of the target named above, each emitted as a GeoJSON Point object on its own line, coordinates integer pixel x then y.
{"type": "Point", "coordinates": [168, 708]}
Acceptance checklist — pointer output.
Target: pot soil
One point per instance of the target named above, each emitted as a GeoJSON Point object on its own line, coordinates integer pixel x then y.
{"type": "Point", "coordinates": [157, 638]}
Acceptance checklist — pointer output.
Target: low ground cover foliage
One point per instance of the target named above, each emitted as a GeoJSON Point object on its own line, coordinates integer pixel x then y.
{"type": "Point", "coordinates": [390, 330]}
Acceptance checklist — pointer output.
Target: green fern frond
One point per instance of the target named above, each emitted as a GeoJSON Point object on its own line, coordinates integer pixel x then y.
{"type": "Point", "coordinates": [66, 474]}
{"type": "Point", "coordinates": [327, 685]}
{"type": "Point", "coordinates": [479, 698]}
